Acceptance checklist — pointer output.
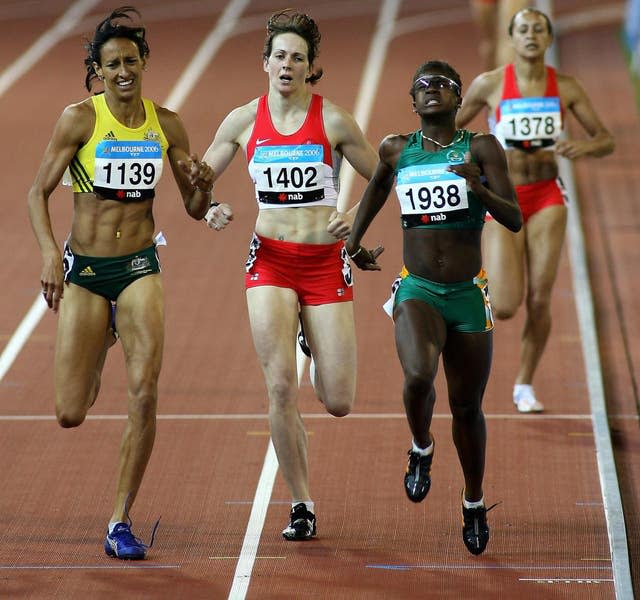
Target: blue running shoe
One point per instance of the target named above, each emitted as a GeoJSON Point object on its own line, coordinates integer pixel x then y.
{"type": "Point", "coordinates": [121, 543]}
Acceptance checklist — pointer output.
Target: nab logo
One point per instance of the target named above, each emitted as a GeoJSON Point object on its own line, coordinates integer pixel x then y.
{"type": "Point", "coordinates": [134, 194]}
{"type": "Point", "coordinates": [295, 196]}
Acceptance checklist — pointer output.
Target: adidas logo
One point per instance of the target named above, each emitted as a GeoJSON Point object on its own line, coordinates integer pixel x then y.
{"type": "Point", "coordinates": [87, 272]}
{"type": "Point", "coordinates": [109, 136]}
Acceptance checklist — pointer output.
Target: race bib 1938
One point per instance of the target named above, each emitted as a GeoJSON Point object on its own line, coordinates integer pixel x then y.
{"type": "Point", "coordinates": [431, 194]}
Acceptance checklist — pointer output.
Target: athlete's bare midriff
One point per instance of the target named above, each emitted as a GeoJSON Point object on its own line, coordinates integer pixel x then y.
{"type": "Point", "coordinates": [530, 167]}
{"type": "Point", "coordinates": [300, 225]}
{"type": "Point", "coordinates": [109, 227]}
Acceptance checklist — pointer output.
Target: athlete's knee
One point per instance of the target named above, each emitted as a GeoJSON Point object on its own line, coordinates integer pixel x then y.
{"type": "Point", "coordinates": [143, 399]}
{"type": "Point", "coordinates": [503, 313]}
{"type": "Point", "coordinates": [338, 407]}
{"type": "Point", "coordinates": [466, 412]}
{"type": "Point", "coordinates": [539, 304]}
{"type": "Point", "coordinates": [143, 404]}
{"type": "Point", "coordinates": [417, 384]}
{"type": "Point", "coordinates": [282, 395]}
{"type": "Point", "coordinates": [68, 418]}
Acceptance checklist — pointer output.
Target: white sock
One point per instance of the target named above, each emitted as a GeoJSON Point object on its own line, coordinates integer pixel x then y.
{"type": "Point", "coordinates": [468, 504]}
{"type": "Point", "coordinates": [522, 388]}
{"type": "Point", "coordinates": [423, 451]}
{"type": "Point", "coordinates": [308, 503]}
{"type": "Point", "coordinates": [112, 526]}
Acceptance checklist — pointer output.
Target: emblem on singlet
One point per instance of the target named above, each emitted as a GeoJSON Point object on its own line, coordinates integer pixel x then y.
{"type": "Point", "coordinates": [150, 134]}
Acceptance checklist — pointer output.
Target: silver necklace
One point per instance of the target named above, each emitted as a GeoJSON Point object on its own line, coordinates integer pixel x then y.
{"type": "Point", "coordinates": [455, 140]}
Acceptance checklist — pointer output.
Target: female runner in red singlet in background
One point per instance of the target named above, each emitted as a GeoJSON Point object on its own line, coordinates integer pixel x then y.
{"type": "Point", "coordinates": [527, 103]}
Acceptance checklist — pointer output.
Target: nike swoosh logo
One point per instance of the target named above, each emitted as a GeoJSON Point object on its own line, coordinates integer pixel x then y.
{"type": "Point", "coordinates": [259, 141]}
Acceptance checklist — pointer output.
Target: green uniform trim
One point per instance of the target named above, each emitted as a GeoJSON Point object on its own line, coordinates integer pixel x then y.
{"type": "Point", "coordinates": [414, 155]}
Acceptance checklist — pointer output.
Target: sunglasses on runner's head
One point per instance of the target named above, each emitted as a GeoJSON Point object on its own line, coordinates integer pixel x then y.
{"type": "Point", "coordinates": [438, 82]}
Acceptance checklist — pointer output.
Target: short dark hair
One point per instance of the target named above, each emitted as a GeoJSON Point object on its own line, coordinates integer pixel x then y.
{"type": "Point", "coordinates": [534, 10]}
{"type": "Point", "coordinates": [109, 29]}
{"type": "Point", "coordinates": [300, 24]}
{"type": "Point", "coordinates": [436, 65]}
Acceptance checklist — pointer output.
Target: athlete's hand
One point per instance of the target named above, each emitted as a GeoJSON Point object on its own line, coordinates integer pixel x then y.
{"type": "Point", "coordinates": [366, 259]}
{"type": "Point", "coordinates": [470, 171]}
{"type": "Point", "coordinates": [340, 225]}
{"type": "Point", "coordinates": [572, 148]}
{"type": "Point", "coordinates": [52, 282]}
{"type": "Point", "coordinates": [200, 173]}
{"type": "Point", "coordinates": [219, 216]}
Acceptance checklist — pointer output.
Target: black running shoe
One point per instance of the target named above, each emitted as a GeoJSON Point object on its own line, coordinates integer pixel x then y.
{"type": "Point", "coordinates": [302, 524]}
{"type": "Point", "coordinates": [417, 479]}
{"type": "Point", "coordinates": [475, 531]}
{"type": "Point", "coordinates": [302, 340]}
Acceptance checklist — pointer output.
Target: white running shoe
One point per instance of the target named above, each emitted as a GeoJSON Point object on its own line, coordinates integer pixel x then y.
{"type": "Point", "coordinates": [525, 399]}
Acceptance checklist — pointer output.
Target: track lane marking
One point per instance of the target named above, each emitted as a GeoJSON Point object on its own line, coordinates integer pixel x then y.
{"type": "Point", "coordinates": [45, 42]}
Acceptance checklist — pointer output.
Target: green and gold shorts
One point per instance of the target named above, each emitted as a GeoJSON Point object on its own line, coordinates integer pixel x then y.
{"type": "Point", "coordinates": [465, 305]}
{"type": "Point", "coordinates": [107, 276]}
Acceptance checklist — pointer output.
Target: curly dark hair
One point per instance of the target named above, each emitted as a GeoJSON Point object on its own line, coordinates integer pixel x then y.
{"type": "Point", "coordinates": [436, 65]}
{"type": "Point", "coordinates": [300, 24]}
{"type": "Point", "coordinates": [109, 29]}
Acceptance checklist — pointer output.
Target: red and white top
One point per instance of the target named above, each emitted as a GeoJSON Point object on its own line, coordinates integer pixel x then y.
{"type": "Point", "coordinates": [296, 170]}
{"type": "Point", "coordinates": [527, 122]}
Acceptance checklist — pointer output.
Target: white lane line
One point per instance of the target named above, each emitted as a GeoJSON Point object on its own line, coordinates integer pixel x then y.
{"type": "Point", "coordinates": [208, 49]}
{"type": "Point", "coordinates": [440, 18]}
{"type": "Point", "coordinates": [614, 513]}
{"type": "Point", "coordinates": [306, 416]}
{"type": "Point", "coordinates": [368, 87]}
{"type": "Point", "coordinates": [582, 580]}
{"type": "Point", "coordinates": [21, 335]}
{"type": "Point", "coordinates": [261, 500]}
{"type": "Point", "coordinates": [62, 27]}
